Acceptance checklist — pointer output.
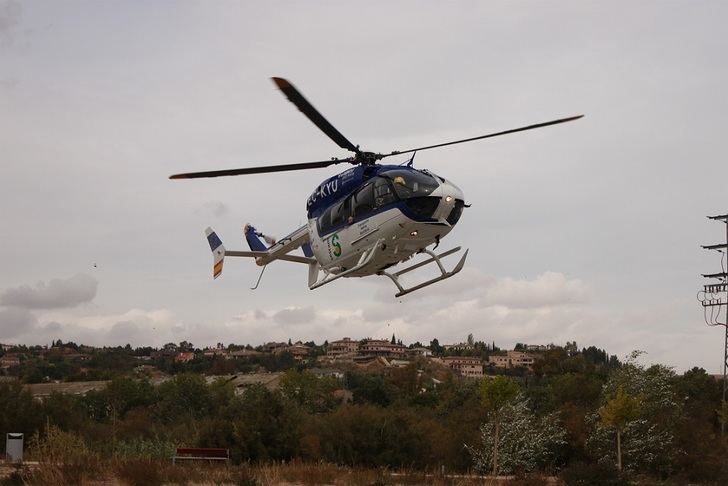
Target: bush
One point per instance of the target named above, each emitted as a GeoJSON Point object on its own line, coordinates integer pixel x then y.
{"type": "Point", "coordinates": [14, 479]}
{"type": "Point", "coordinates": [63, 459]}
{"type": "Point", "coordinates": [139, 472]}
{"type": "Point", "coordinates": [144, 449]}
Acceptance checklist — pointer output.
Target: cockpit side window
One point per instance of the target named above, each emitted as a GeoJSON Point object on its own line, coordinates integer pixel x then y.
{"type": "Point", "coordinates": [411, 183]}
{"type": "Point", "coordinates": [383, 192]}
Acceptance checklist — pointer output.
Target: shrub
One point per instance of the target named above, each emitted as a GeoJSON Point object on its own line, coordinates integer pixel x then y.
{"type": "Point", "coordinates": [139, 472]}
{"type": "Point", "coordinates": [63, 458]}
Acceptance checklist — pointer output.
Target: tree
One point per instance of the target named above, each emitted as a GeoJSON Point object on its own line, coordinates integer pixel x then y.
{"type": "Point", "coordinates": [523, 443]}
{"type": "Point", "coordinates": [646, 432]}
{"type": "Point", "coordinates": [369, 389]}
{"type": "Point", "coordinates": [471, 341]}
{"type": "Point", "coordinates": [496, 393]}
{"type": "Point", "coordinates": [314, 394]}
{"type": "Point", "coordinates": [186, 396]}
{"type": "Point", "coordinates": [393, 341]}
{"type": "Point", "coordinates": [617, 413]}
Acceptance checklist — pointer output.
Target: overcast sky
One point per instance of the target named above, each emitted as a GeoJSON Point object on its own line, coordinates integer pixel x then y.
{"type": "Point", "coordinates": [587, 231]}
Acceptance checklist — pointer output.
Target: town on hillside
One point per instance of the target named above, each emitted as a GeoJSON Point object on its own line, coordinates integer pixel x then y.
{"type": "Point", "coordinates": [73, 368]}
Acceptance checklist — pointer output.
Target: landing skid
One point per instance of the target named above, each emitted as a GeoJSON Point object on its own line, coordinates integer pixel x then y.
{"type": "Point", "coordinates": [433, 258]}
{"type": "Point", "coordinates": [364, 260]}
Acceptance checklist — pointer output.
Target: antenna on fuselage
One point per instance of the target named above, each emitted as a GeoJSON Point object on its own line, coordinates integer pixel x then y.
{"type": "Point", "coordinates": [411, 161]}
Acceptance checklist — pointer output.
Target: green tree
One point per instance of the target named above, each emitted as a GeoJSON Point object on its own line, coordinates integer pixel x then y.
{"type": "Point", "coordinates": [314, 394]}
{"type": "Point", "coordinates": [648, 439]}
{"type": "Point", "coordinates": [186, 396]}
{"type": "Point", "coordinates": [18, 411]}
{"type": "Point", "coordinates": [617, 413]}
{"type": "Point", "coordinates": [495, 394]}
{"type": "Point", "coordinates": [523, 443]}
{"type": "Point", "coordinates": [266, 426]}
{"type": "Point", "coordinates": [369, 389]}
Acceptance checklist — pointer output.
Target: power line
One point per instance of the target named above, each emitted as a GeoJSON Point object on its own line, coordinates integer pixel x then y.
{"type": "Point", "coordinates": [714, 298]}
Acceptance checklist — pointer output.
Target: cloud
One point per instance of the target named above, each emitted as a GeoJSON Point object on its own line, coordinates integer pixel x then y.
{"type": "Point", "coordinates": [57, 294]}
{"type": "Point", "coordinates": [15, 322]}
{"type": "Point", "coordinates": [136, 326]}
{"type": "Point", "coordinates": [10, 13]}
{"type": "Point", "coordinates": [123, 331]}
{"type": "Point", "coordinates": [52, 326]}
{"type": "Point", "coordinates": [215, 208]}
{"type": "Point", "coordinates": [548, 290]}
{"type": "Point", "coordinates": [295, 315]}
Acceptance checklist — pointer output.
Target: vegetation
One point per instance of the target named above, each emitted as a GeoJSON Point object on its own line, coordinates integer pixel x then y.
{"type": "Point", "coordinates": [580, 414]}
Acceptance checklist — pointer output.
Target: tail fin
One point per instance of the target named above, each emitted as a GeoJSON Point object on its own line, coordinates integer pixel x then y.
{"type": "Point", "coordinates": [252, 237]}
{"type": "Point", "coordinates": [218, 252]}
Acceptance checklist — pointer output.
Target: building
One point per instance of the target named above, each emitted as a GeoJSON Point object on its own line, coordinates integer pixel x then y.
{"type": "Point", "coordinates": [9, 361]}
{"type": "Point", "coordinates": [466, 366]}
{"type": "Point", "coordinates": [212, 352]}
{"type": "Point", "coordinates": [327, 373]}
{"type": "Point", "coordinates": [299, 351]}
{"type": "Point", "coordinates": [39, 391]}
{"type": "Point", "coordinates": [170, 348]}
{"type": "Point", "coordinates": [245, 353]}
{"type": "Point", "coordinates": [242, 382]}
{"type": "Point", "coordinates": [539, 347]}
{"type": "Point", "coordinates": [424, 352]}
{"type": "Point", "coordinates": [458, 347]}
{"type": "Point", "coordinates": [274, 347]}
{"type": "Point", "coordinates": [184, 357]}
{"type": "Point", "coordinates": [344, 348]}
{"type": "Point", "coordinates": [513, 359]}
{"type": "Point", "coordinates": [381, 347]}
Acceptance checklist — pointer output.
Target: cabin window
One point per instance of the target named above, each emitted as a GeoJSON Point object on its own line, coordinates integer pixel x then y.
{"type": "Point", "coordinates": [363, 201]}
{"type": "Point", "coordinates": [340, 213]}
{"type": "Point", "coordinates": [336, 215]}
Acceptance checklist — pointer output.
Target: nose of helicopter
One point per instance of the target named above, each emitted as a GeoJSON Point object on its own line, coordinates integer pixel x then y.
{"type": "Point", "coordinates": [451, 204]}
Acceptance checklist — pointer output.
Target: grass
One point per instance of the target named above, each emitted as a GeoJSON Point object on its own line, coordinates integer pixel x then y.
{"type": "Point", "coordinates": [157, 472]}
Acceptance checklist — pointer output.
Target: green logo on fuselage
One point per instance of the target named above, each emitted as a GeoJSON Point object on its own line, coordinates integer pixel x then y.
{"type": "Point", "coordinates": [336, 245]}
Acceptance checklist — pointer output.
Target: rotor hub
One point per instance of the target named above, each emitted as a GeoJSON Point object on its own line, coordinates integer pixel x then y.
{"type": "Point", "coordinates": [367, 158]}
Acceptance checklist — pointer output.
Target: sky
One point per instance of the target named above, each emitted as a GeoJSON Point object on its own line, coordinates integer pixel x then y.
{"type": "Point", "coordinates": [587, 231]}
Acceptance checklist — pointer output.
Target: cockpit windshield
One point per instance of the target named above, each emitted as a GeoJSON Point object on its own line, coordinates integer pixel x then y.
{"type": "Point", "coordinates": [411, 183]}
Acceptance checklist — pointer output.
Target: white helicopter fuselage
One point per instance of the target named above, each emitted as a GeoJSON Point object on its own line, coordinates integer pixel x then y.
{"type": "Point", "coordinates": [396, 236]}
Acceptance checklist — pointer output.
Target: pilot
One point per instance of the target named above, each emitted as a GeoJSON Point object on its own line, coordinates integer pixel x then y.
{"type": "Point", "coordinates": [399, 180]}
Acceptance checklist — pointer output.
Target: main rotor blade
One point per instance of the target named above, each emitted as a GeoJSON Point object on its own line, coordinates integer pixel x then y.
{"type": "Point", "coordinates": [295, 97]}
{"type": "Point", "coordinates": [514, 130]}
{"type": "Point", "coordinates": [260, 170]}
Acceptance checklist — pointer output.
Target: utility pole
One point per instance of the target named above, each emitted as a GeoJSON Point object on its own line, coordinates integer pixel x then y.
{"type": "Point", "coordinates": [714, 302]}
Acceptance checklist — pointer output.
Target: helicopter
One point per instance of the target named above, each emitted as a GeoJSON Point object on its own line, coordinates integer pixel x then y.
{"type": "Point", "coordinates": [363, 221]}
